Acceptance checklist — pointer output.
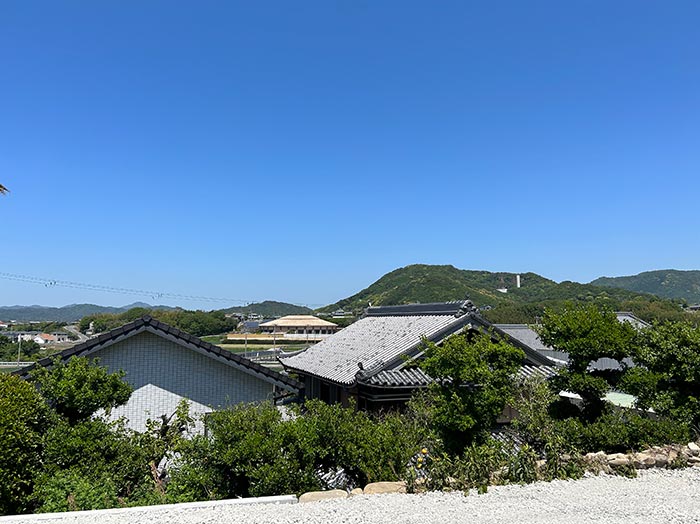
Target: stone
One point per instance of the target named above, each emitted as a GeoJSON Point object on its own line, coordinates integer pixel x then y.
{"type": "Point", "coordinates": [376, 488]}
{"type": "Point", "coordinates": [355, 492]}
{"type": "Point", "coordinates": [693, 460]}
{"type": "Point", "coordinates": [315, 496]}
{"type": "Point", "coordinates": [661, 460]}
{"type": "Point", "coordinates": [615, 457]}
{"type": "Point", "coordinates": [643, 461]}
{"type": "Point", "coordinates": [599, 456]}
{"type": "Point", "coordinates": [619, 461]}
{"type": "Point", "coordinates": [694, 449]}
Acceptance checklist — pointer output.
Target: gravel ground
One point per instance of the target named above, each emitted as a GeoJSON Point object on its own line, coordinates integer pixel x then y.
{"type": "Point", "coordinates": [656, 496]}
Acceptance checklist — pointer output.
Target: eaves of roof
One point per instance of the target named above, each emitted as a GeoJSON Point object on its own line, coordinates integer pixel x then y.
{"type": "Point", "coordinates": [417, 378]}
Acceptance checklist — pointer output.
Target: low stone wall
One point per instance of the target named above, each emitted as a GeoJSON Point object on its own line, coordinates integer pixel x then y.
{"type": "Point", "coordinates": [374, 488]}
{"type": "Point", "coordinates": [655, 457]}
{"type": "Point", "coordinates": [673, 456]}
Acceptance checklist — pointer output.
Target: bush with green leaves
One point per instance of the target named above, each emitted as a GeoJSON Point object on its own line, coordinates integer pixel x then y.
{"type": "Point", "coordinates": [621, 431]}
{"type": "Point", "coordinates": [24, 417]}
{"type": "Point", "coordinates": [71, 491]}
{"type": "Point", "coordinates": [253, 451]}
{"type": "Point", "coordinates": [587, 333]}
{"type": "Point", "coordinates": [79, 387]}
{"type": "Point", "coordinates": [473, 383]}
{"type": "Point", "coordinates": [668, 374]}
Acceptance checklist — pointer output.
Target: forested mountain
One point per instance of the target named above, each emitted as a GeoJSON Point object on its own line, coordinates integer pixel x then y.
{"type": "Point", "coordinates": [429, 283]}
{"type": "Point", "coordinates": [270, 309]}
{"type": "Point", "coordinates": [75, 312]}
{"type": "Point", "coordinates": [71, 313]}
{"type": "Point", "coordinates": [667, 283]}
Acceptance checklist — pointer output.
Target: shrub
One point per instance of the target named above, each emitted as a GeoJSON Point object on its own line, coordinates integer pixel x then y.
{"type": "Point", "coordinates": [622, 431]}
{"type": "Point", "coordinates": [76, 389]}
{"type": "Point", "coordinates": [24, 416]}
{"type": "Point", "coordinates": [70, 491]}
{"type": "Point", "coordinates": [474, 382]}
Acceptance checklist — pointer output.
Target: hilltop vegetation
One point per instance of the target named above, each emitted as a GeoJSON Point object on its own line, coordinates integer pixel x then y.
{"type": "Point", "coordinates": [71, 313]}
{"type": "Point", "coordinates": [270, 309]}
{"type": "Point", "coordinates": [197, 323]}
{"type": "Point", "coordinates": [429, 283]}
{"type": "Point", "coordinates": [75, 312]}
{"type": "Point", "coordinates": [666, 283]}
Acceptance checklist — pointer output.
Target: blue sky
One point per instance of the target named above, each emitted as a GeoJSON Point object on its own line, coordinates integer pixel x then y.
{"type": "Point", "coordinates": [298, 151]}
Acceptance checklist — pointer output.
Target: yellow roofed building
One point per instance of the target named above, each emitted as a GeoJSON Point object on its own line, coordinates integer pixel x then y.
{"type": "Point", "coordinates": [299, 326]}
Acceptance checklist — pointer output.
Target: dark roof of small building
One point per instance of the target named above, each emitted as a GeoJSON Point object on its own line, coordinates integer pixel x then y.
{"type": "Point", "coordinates": [173, 334]}
{"type": "Point", "coordinates": [385, 336]}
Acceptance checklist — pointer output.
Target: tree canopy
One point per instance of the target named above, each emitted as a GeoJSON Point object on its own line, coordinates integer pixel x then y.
{"type": "Point", "coordinates": [473, 383]}
{"type": "Point", "coordinates": [76, 389]}
{"type": "Point", "coordinates": [668, 374]}
{"type": "Point", "coordinates": [587, 333]}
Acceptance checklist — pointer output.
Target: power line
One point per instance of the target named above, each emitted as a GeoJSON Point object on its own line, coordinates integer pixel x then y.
{"type": "Point", "coordinates": [50, 282]}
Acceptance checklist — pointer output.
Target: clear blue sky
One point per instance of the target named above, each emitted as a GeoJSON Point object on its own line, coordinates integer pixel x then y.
{"type": "Point", "coordinates": [299, 150]}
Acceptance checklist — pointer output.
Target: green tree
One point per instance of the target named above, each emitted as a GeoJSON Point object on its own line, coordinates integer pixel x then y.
{"type": "Point", "coordinates": [76, 389]}
{"type": "Point", "coordinates": [587, 333]}
{"type": "Point", "coordinates": [668, 374]}
{"type": "Point", "coordinates": [473, 382]}
{"type": "Point", "coordinates": [24, 416]}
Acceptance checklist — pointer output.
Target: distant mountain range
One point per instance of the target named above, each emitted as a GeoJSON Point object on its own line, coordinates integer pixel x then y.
{"type": "Point", "coordinates": [75, 312]}
{"type": "Point", "coordinates": [666, 283]}
{"type": "Point", "coordinates": [71, 313]}
{"type": "Point", "coordinates": [497, 293]}
{"type": "Point", "coordinates": [429, 283]}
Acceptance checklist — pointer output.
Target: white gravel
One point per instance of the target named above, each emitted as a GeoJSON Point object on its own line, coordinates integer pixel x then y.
{"type": "Point", "coordinates": [656, 496]}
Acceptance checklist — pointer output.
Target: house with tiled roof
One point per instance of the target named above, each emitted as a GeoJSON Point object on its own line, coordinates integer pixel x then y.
{"type": "Point", "coordinates": [165, 365]}
{"type": "Point", "coordinates": [529, 337]}
{"type": "Point", "coordinates": [369, 361]}
{"type": "Point", "coordinates": [299, 326]}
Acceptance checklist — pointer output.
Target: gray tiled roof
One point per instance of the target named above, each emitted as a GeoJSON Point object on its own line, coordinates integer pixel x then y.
{"type": "Point", "coordinates": [524, 334]}
{"type": "Point", "coordinates": [162, 329]}
{"type": "Point", "coordinates": [628, 316]}
{"type": "Point", "coordinates": [416, 377]}
{"type": "Point", "coordinates": [529, 337]}
{"type": "Point", "coordinates": [375, 342]}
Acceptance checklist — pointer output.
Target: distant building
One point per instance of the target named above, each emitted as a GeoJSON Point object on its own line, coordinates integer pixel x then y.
{"type": "Point", "coordinates": [165, 365]}
{"type": "Point", "coordinates": [299, 327]}
{"type": "Point", "coordinates": [45, 338]}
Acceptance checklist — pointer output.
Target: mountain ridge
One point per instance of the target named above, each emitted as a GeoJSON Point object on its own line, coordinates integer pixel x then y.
{"type": "Point", "coordinates": [665, 283]}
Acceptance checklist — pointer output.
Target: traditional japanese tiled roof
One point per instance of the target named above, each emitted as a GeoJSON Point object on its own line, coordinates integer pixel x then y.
{"type": "Point", "coordinates": [386, 336]}
{"type": "Point", "coordinates": [524, 334]}
{"type": "Point", "coordinates": [529, 337]}
{"type": "Point", "coordinates": [417, 378]}
{"type": "Point", "coordinates": [173, 334]}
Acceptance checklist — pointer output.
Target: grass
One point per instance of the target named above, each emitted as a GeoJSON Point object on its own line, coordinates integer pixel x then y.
{"type": "Point", "coordinates": [241, 348]}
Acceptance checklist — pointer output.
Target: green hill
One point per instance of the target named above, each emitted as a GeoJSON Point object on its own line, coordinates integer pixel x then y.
{"type": "Point", "coordinates": [428, 283]}
{"type": "Point", "coordinates": [667, 283]}
{"type": "Point", "coordinates": [270, 308]}
{"type": "Point", "coordinates": [71, 313]}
